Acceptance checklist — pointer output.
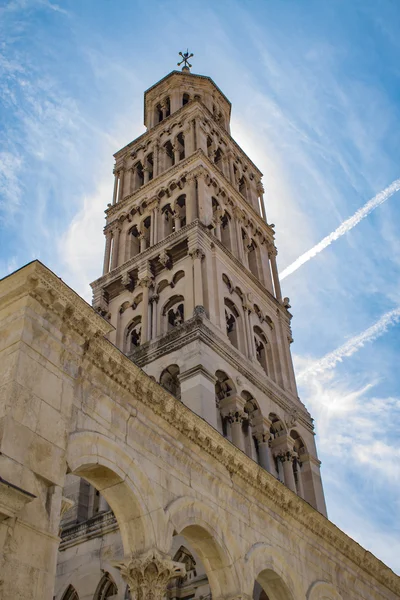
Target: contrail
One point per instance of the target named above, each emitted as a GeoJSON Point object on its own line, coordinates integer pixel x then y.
{"type": "Point", "coordinates": [330, 360]}
{"type": "Point", "coordinates": [343, 228]}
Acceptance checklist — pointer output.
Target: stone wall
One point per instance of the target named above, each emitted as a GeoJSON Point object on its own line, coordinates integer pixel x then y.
{"type": "Point", "coordinates": [72, 402]}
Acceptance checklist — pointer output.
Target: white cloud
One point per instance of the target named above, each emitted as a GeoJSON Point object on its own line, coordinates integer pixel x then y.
{"type": "Point", "coordinates": [81, 247]}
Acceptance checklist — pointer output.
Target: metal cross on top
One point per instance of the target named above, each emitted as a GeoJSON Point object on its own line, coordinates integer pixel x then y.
{"type": "Point", "coordinates": [185, 60]}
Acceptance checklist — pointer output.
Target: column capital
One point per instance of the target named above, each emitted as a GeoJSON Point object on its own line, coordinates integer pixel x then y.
{"type": "Point", "coordinates": [272, 251]}
{"type": "Point", "coordinates": [196, 253]}
{"type": "Point", "coordinates": [145, 282]}
{"type": "Point", "coordinates": [285, 456]}
{"type": "Point", "coordinates": [148, 575]}
{"type": "Point", "coordinates": [237, 416]}
{"type": "Point", "coordinates": [165, 259]}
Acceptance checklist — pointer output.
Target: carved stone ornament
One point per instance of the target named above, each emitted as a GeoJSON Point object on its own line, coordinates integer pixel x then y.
{"type": "Point", "coordinates": [291, 418]}
{"type": "Point", "coordinates": [197, 253]}
{"type": "Point", "coordinates": [149, 574]}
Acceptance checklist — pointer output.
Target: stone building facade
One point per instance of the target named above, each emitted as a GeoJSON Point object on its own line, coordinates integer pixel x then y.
{"type": "Point", "coordinates": [155, 445]}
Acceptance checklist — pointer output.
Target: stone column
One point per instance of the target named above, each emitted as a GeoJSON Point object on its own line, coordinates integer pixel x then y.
{"type": "Point", "coordinates": [236, 419]}
{"type": "Point", "coordinates": [177, 220]}
{"type": "Point", "coordinates": [115, 188]}
{"type": "Point", "coordinates": [155, 224]}
{"type": "Point", "coordinates": [142, 241]}
{"type": "Point", "coordinates": [154, 302]}
{"type": "Point", "coordinates": [176, 153]}
{"type": "Point", "coordinates": [146, 175]}
{"type": "Point", "coordinates": [197, 255]}
{"type": "Point", "coordinates": [191, 200]}
{"type": "Point", "coordinates": [148, 575]}
{"type": "Point", "coordinates": [260, 191]}
{"type": "Point", "coordinates": [264, 452]}
{"type": "Point", "coordinates": [121, 185]}
{"type": "Point", "coordinates": [116, 236]}
{"type": "Point", "coordinates": [272, 256]}
{"type": "Point", "coordinates": [247, 334]}
{"type": "Point", "coordinates": [107, 253]}
{"type": "Point", "coordinates": [156, 169]}
{"type": "Point", "coordinates": [145, 284]}
{"type": "Point", "coordinates": [287, 460]}
{"type": "Point", "coordinates": [231, 171]}
{"type": "Point", "coordinates": [300, 487]}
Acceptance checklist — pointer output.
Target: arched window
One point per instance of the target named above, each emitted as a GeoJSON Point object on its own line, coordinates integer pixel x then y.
{"type": "Point", "coordinates": [218, 159]}
{"type": "Point", "coordinates": [264, 352]}
{"type": "Point", "coordinates": [243, 187]}
{"type": "Point", "coordinates": [138, 176]}
{"type": "Point", "coordinates": [167, 220]}
{"type": "Point", "coordinates": [106, 588]}
{"type": "Point", "coordinates": [180, 212]}
{"type": "Point", "coordinates": [226, 231]}
{"type": "Point", "coordinates": [169, 379]}
{"type": "Point", "coordinates": [185, 99]}
{"type": "Point", "coordinates": [145, 230]}
{"type": "Point", "coordinates": [231, 316]}
{"type": "Point", "coordinates": [167, 107]}
{"type": "Point", "coordinates": [173, 313]}
{"type": "Point", "coordinates": [133, 335]}
{"type": "Point", "coordinates": [252, 258]}
{"type": "Point", "coordinates": [149, 165]}
{"type": "Point", "coordinates": [169, 159]}
{"type": "Point", "coordinates": [175, 316]}
{"type": "Point", "coordinates": [70, 594]}
{"type": "Point", "coordinates": [133, 242]}
{"type": "Point", "coordinates": [180, 142]}
{"type": "Point", "coordinates": [159, 113]}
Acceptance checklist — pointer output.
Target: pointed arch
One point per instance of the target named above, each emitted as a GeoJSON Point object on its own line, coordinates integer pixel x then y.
{"type": "Point", "coordinates": [107, 588]}
{"type": "Point", "coordinates": [70, 594]}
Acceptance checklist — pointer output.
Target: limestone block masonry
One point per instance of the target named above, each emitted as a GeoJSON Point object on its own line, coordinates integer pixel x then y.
{"type": "Point", "coordinates": [154, 446]}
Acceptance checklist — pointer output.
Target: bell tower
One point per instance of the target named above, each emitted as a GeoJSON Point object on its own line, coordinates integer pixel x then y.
{"type": "Point", "coordinates": [190, 280]}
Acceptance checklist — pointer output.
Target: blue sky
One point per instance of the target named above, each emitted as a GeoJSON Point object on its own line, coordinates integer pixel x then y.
{"type": "Point", "coordinates": [315, 88]}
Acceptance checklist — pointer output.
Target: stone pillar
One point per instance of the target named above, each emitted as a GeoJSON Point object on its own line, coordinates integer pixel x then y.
{"type": "Point", "coordinates": [107, 253]}
{"type": "Point", "coordinates": [154, 222]}
{"type": "Point", "coordinates": [121, 185]}
{"type": "Point", "coordinates": [146, 175]}
{"type": "Point", "coordinates": [197, 255]}
{"type": "Point", "coordinates": [176, 153]}
{"type": "Point", "coordinates": [260, 191]}
{"type": "Point", "coordinates": [115, 188]}
{"type": "Point", "coordinates": [145, 284]}
{"type": "Point", "coordinates": [231, 171]}
{"type": "Point", "coordinates": [300, 487]}
{"type": "Point", "coordinates": [272, 256]}
{"type": "Point", "coordinates": [142, 241]}
{"type": "Point", "coordinates": [264, 452]}
{"type": "Point", "coordinates": [156, 168]}
{"type": "Point", "coordinates": [287, 461]}
{"type": "Point", "coordinates": [265, 267]}
{"type": "Point", "coordinates": [191, 200]}
{"type": "Point", "coordinates": [148, 575]}
{"type": "Point", "coordinates": [236, 419]}
{"type": "Point", "coordinates": [177, 220]}
{"type": "Point", "coordinates": [116, 236]}
{"type": "Point", "coordinates": [154, 302]}
{"type": "Point", "coordinates": [203, 200]}
{"type": "Point", "coordinates": [198, 393]}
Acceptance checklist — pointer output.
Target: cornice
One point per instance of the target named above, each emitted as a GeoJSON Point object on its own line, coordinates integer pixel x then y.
{"type": "Point", "coordinates": [130, 379]}
{"type": "Point", "coordinates": [39, 282]}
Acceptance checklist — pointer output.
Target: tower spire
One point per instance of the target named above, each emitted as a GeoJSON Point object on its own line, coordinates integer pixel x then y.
{"type": "Point", "coordinates": [185, 59]}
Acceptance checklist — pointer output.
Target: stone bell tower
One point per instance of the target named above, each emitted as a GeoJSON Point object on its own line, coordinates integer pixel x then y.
{"type": "Point", "coordinates": [190, 280]}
